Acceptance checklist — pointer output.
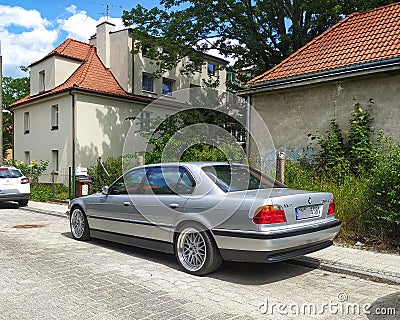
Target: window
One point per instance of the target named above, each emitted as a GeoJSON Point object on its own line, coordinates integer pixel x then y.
{"type": "Point", "coordinates": [27, 157]}
{"type": "Point", "coordinates": [170, 180]}
{"type": "Point", "coordinates": [147, 82]}
{"type": "Point", "coordinates": [145, 49]}
{"type": "Point", "coordinates": [129, 183]}
{"type": "Point", "coordinates": [26, 122]}
{"type": "Point", "coordinates": [145, 123]}
{"type": "Point", "coordinates": [42, 81]}
{"type": "Point", "coordinates": [211, 69]}
{"type": "Point", "coordinates": [55, 160]}
{"type": "Point", "coordinates": [54, 117]}
{"type": "Point", "coordinates": [237, 178]}
{"type": "Point", "coordinates": [167, 86]}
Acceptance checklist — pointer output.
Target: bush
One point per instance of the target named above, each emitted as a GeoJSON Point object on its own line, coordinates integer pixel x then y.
{"type": "Point", "coordinates": [43, 192]}
{"type": "Point", "coordinates": [361, 172]}
{"type": "Point", "coordinates": [384, 193]}
{"type": "Point", "coordinates": [114, 166]}
{"type": "Point", "coordinates": [33, 170]}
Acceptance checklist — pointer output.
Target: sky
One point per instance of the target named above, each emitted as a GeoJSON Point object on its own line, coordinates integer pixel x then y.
{"type": "Point", "coordinates": [30, 29]}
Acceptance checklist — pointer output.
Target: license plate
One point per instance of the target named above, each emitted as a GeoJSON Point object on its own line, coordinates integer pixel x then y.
{"type": "Point", "coordinates": [308, 212]}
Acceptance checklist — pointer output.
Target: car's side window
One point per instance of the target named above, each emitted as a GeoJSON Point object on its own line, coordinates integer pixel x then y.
{"type": "Point", "coordinates": [168, 180]}
{"type": "Point", "coordinates": [161, 181]}
{"type": "Point", "coordinates": [185, 185]}
{"type": "Point", "coordinates": [128, 183]}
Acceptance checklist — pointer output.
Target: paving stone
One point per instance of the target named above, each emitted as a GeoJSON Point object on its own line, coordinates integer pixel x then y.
{"type": "Point", "coordinates": [45, 274]}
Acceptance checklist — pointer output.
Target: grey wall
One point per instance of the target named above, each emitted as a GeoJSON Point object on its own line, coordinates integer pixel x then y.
{"type": "Point", "coordinates": [293, 112]}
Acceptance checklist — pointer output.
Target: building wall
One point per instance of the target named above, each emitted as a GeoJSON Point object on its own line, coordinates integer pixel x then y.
{"type": "Point", "coordinates": [291, 113]}
{"type": "Point", "coordinates": [56, 69]}
{"type": "Point", "coordinates": [115, 51]}
{"type": "Point", "coordinates": [143, 64]}
{"type": "Point", "coordinates": [41, 139]}
{"type": "Point", "coordinates": [102, 127]}
{"type": "Point", "coordinates": [121, 58]}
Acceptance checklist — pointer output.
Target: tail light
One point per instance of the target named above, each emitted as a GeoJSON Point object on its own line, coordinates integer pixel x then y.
{"type": "Point", "coordinates": [331, 208]}
{"type": "Point", "coordinates": [24, 180]}
{"type": "Point", "coordinates": [269, 215]}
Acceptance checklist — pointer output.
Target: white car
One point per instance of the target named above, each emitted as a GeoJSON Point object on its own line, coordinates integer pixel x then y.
{"type": "Point", "coordinates": [14, 186]}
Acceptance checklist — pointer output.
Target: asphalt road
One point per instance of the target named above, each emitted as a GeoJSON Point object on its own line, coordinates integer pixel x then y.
{"type": "Point", "coordinates": [45, 274]}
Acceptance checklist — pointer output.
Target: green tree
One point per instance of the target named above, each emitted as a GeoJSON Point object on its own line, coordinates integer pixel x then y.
{"type": "Point", "coordinates": [258, 33]}
{"type": "Point", "coordinates": [13, 90]}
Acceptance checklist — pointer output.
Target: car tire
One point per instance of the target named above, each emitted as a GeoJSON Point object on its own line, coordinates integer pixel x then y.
{"type": "Point", "coordinates": [79, 224]}
{"type": "Point", "coordinates": [23, 203]}
{"type": "Point", "coordinates": [196, 251]}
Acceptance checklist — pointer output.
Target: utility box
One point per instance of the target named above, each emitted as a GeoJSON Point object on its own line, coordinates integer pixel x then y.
{"type": "Point", "coordinates": [82, 186]}
{"type": "Point", "coordinates": [82, 182]}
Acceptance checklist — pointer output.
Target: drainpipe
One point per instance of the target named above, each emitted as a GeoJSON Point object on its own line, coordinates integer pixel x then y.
{"type": "Point", "coordinates": [73, 144]}
{"type": "Point", "coordinates": [248, 117]}
{"type": "Point", "coordinates": [1, 108]}
{"type": "Point", "coordinates": [133, 65]}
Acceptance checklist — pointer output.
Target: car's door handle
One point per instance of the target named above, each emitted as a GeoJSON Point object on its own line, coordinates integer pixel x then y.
{"type": "Point", "coordinates": [126, 204]}
{"type": "Point", "coordinates": [174, 205]}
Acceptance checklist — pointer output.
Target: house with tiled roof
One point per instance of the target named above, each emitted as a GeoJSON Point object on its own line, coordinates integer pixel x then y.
{"type": "Point", "coordinates": [82, 96]}
{"type": "Point", "coordinates": [355, 61]}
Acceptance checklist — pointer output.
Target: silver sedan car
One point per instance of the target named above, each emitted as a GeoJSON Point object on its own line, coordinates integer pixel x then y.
{"type": "Point", "coordinates": [207, 212]}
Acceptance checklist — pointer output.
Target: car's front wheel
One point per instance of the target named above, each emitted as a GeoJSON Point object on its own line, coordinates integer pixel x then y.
{"type": "Point", "coordinates": [196, 251]}
{"type": "Point", "coordinates": [79, 225]}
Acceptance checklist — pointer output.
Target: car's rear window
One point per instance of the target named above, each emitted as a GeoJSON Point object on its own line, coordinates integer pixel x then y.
{"type": "Point", "coordinates": [237, 178]}
{"type": "Point", "coordinates": [10, 173]}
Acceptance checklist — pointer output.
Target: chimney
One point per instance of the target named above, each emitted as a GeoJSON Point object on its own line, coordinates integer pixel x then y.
{"type": "Point", "coordinates": [102, 42]}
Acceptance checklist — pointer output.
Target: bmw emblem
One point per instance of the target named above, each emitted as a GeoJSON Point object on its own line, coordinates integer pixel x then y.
{"type": "Point", "coordinates": [309, 200]}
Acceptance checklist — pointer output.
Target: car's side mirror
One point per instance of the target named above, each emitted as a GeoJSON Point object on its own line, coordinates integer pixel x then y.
{"type": "Point", "coordinates": [105, 190]}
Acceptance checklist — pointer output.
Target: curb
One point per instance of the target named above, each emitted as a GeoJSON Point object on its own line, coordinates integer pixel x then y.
{"type": "Point", "coordinates": [388, 277]}
{"type": "Point", "coordinates": [50, 213]}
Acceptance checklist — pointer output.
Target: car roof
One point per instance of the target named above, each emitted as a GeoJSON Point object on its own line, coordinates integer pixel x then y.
{"type": "Point", "coordinates": [194, 163]}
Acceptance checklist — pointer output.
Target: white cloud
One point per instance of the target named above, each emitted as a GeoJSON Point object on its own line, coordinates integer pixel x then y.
{"type": "Point", "coordinates": [81, 27]}
{"type": "Point", "coordinates": [25, 37]}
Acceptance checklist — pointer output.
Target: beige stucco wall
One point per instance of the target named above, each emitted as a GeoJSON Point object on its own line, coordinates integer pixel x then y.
{"type": "Point", "coordinates": [182, 81]}
{"type": "Point", "coordinates": [291, 113]}
{"type": "Point", "coordinates": [57, 70]}
{"type": "Point", "coordinates": [41, 140]}
{"type": "Point", "coordinates": [48, 67]}
{"type": "Point", "coordinates": [102, 128]}
{"type": "Point", "coordinates": [64, 69]}
{"type": "Point", "coordinates": [121, 58]}
{"type": "Point", "coordinates": [115, 51]}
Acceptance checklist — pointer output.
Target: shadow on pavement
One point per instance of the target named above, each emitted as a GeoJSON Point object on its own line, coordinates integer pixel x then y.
{"type": "Point", "coordinates": [8, 205]}
{"type": "Point", "coordinates": [234, 272]}
{"type": "Point", "coordinates": [257, 273]}
{"type": "Point", "coordinates": [385, 308]}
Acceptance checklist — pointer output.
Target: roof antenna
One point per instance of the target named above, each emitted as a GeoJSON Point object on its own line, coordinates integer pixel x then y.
{"type": "Point", "coordinates": [107, 8]}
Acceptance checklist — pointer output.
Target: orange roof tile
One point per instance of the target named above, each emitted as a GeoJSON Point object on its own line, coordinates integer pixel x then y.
{"type": "Point", "coordinates": [91, 75]}
{"type": "Point", "coordinates": [358, 38]}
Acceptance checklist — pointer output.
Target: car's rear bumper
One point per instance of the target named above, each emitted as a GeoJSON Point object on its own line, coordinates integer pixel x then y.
{"type": "Point", "coordinates": [14, 197]}
{"type": "Point", "coordinates": [275, 245]}
{"type": "Point", "coordinates": [272, 256]}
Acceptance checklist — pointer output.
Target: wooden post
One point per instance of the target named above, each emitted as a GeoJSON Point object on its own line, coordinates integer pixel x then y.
{"type": "Point", "coordinates": [52, 184]}
{"type": "Point", "coordinates": [140, 160]}
{"type": "Point", "coordinates": [280, 166]}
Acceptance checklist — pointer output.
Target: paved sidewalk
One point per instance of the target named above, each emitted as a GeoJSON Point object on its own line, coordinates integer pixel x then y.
{"type": "Point", "coordinates": [357, 262]}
